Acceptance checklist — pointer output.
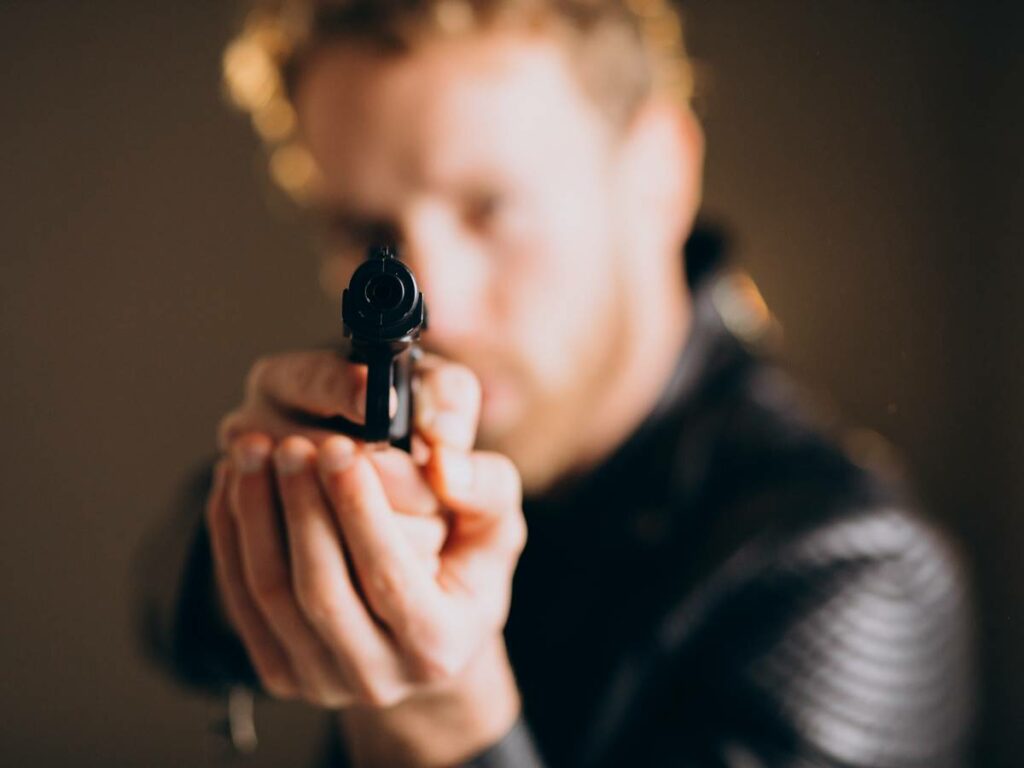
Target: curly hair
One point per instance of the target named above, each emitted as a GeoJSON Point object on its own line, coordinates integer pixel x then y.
{"type": "Point", "coordinates": [621, 52]}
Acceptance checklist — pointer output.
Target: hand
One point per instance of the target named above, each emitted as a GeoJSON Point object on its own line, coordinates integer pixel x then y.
{"type": "Point", "coordinates": [278, 388]}
{"type": "Point", "coordinates": [283, 393]}
{"type": "Point", "coordinates": [349, 606]}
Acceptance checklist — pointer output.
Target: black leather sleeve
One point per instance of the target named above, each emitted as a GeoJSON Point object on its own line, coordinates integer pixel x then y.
{"type": "Point", "coordinates": [844, 646]}
{"type": "Point", "coordinates": [867, 662]}
{"type": "Point", "coordinates": [515, 750]}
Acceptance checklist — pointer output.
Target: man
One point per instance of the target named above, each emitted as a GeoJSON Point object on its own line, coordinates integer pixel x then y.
{"type": "Point", "coordinates": [709, 580]}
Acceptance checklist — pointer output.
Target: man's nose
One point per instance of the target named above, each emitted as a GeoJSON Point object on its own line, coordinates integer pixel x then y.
{"type": "Point", "coordinates": [451, 270]}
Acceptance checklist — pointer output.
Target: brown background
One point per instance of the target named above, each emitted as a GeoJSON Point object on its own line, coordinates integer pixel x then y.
{"type": "Point", "coordinates": [864, 154]}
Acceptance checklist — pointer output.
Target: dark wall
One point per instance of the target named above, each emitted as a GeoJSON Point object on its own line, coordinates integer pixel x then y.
{"type": "Point", "coordinates": [865, 157]}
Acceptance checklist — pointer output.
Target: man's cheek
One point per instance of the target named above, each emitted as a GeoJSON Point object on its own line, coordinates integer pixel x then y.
{"type": "Point", "coordinates": [502, 406]}
{"type": "Point", "coordinates": [547, 351]}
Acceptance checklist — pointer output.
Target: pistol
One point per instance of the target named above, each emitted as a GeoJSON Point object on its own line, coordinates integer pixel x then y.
{"type": "Point", "coordinates": [383, 313]}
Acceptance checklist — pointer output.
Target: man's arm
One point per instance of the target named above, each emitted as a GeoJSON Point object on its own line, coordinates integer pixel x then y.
{"type": "Point", "coordinates": [874, 665]}
{"type": "Point", "coordinates": [844, 645]}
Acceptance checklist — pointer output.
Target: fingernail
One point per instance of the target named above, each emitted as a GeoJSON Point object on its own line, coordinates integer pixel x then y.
{"type": "Point", "coordinates": [456, 471]}
{"type": "Point", "coordinates": [290, 459]}
{"type": "Point", "coordinates": [249, 457]}
{"type": "Point", "coordinates": [337, 454]}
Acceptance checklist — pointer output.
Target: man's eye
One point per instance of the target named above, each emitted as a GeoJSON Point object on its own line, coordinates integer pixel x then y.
{"type": "Point", "coordinates": [335, 232]}
{"type": "Point", "coordinates": [348, 234]}
{"type": "Point", "coordinates": [483, 209]}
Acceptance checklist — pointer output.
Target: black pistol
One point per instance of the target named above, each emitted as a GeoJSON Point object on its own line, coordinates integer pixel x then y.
{"type": "Point", "coordinates": [383, 312]}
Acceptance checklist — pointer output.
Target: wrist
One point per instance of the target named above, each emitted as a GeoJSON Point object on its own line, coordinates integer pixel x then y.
{"type": "Point", "coordinates": [445, 725]}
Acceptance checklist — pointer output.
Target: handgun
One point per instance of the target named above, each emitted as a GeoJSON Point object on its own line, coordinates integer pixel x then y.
{"type": "Point", "coordinates": [383, 313]}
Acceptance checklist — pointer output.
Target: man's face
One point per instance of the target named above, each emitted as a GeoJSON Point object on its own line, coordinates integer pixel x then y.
{"type": "Point", "coordinates": [488, 163]}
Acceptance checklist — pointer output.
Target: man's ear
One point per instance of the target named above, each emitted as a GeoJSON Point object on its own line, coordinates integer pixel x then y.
{"type": "Point", "coordinates": [661, 163]}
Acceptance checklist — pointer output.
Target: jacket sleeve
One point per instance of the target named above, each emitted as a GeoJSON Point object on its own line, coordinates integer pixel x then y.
{"type": "Point", "coordinates": [177, 617]}
{"type": "Point", "coordinates": [516, 749]}
{"type": "Point", "coordinates": [846, 646]}
{"type": "Point", "coordinates": [873, 666]}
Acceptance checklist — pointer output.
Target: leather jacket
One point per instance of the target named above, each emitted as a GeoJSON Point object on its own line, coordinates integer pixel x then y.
{"type": "Point", "coordinates": [738, 585]}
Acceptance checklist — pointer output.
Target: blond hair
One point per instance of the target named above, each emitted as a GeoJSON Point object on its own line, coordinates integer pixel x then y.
{"type": "Point", "coordinates": [622, 51]}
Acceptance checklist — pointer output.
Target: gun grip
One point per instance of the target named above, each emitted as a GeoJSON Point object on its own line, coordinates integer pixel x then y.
{"type": "Point", "coordinates": [401, 424]}
{"type": "Point", "coordinates": [380, 376]}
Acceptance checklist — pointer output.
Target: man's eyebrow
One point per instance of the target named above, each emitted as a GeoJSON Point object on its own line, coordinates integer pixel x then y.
{"type": "Point", "coordinates": [327, 211]}
{"type": "Point", "coordinates": [342, 219]}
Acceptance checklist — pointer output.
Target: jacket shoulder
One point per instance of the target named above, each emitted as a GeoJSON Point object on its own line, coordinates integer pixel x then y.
{"type": "Point", "coordinates": [830, 619]}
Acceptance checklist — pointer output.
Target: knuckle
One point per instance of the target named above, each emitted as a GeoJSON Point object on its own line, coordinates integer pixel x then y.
{"type": "Point", "coordinates": [499, 473]}
{"type": "Point", "coordinates": [295, 444]}
{"type": "Point", "coordinates": [228, 428]}
{"type": "Point", "coordinates": [337, 699]}
{"type": "Point", "coordinates": [452, 388]}
{"type": "Point", "coordinates": [362, 685]}
{"type": "Point", "coordinates": [276, 682]}
{"type": "Point", "coordinates": [381, 694]}
{"type": "Point", "coordinates": [435, 663]}
{"type": "Point", "coordinates": [318, 677]}
{"type": "Point", "coordinates": [313, 691]}
{"type": "Point", "coordinates": [386, 583]}
{"type": "Point", "coordinates": [277, 688]}
{"type": "Point", "coordinates": [257, 375]}
{"type": "Point", "coordinates": [335, 487]}
{"type": "Point", "coordinates": [270, 593]}
{"type": "Point", "coordinates": [322, 694]}
{"type": "Point", "coordinates": [516, 534]}
{"type": "Point", "coordinates": [507, 469]}
{"type": "Point", "coordinates": [250, 439]}
{"type": "Point", "coordinates": [458, 381]}
{"type": "Point", "coordinates": [317, 602]}
{"type": "Point", "coordinates": [434, 654]}
{"type": "Point", "coordinates": [511, 480]}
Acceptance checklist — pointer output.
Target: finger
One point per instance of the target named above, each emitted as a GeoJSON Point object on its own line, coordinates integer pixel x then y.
{"type": "Point", "coordinates": [267, 656]}
{"type": "Point", "coordinates": [397, 585]}
{"type": "Point", "coordinates": [447, 403]}
{"type": "Point", "coordinates": [484, 493]}
{"type": "Point", "coordinates": [407, 490]}
{"type": "Point", "coordinates": [323, 587]}
{"type": "Point", "coordinates": [267, 420]}
{"type": "Point", "coordinates": [266, 571]}
{"type": "Point", "coordinates": [482, 484]}
{"type": "Point", "coordinates": [421, 518]}
{"type": "Point", "coordinates": [427, 537]}
{"type": "Point", "coordinates": [320, 382]}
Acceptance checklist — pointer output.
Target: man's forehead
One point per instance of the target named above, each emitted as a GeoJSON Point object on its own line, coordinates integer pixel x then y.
{"type": "Point", "coordinates": [503, 59]}
{"type": "Point", "coordinates": [486, 101]}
